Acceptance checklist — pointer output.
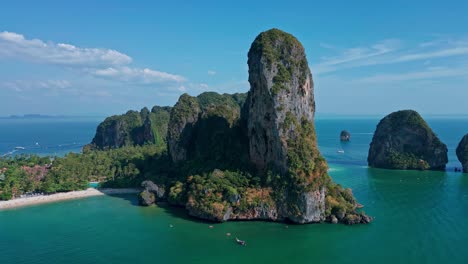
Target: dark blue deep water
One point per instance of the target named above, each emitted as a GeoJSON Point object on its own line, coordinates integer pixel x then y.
{"type": "Point", "coordinates": [46, 136]}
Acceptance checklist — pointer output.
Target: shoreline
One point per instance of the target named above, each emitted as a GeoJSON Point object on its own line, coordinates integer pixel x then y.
{"type": "Point", "coordinates": [56, 197]}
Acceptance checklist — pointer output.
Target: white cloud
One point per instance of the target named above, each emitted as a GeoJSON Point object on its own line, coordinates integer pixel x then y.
{"type": "Point", "coordinates": [27, 85]}
{"type": "Point", "coordinates": [203, 85]}
{"type": "Point", "coordinates": [211, 72]}
{"type": "Point", "coordinates": [35, 50]}
{"type": "Point", "coordinates": [136, 75]}
{"type": "Point", "coordinates": [102, 63]}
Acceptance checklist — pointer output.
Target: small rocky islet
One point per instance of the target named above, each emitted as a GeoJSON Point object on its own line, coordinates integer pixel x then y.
{"type": "Point", "coordinates": [345, 136]}
{"type": "Point", "coordinates": [462, 152]}
{"type": "Point", "coordinates": [403, 140]}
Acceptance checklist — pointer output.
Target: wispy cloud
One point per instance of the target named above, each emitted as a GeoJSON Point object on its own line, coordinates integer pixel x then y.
{"type": "Point", "coordinates": [17, 46]}
{"type": "Point", "coordinates": [27, 85]}
{"type": "Point", "coordinates": [353, 57]}
{"type": "Point", "coordinates": [99, 62]}
{"type": "Point", "coordinates": [211, 72]}
{"type": "Point", "coordinates": [390, 52]}
{"type": "Point", "coordinates": [429, 73]}
{"type": "Point", "coordinates": [443, 53]}
{"type": "Point", "coordinates": [136, 75]}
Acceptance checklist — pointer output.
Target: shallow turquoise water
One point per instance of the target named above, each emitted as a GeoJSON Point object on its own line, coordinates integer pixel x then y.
{"type": "Point", "coordinates": [420, 217]}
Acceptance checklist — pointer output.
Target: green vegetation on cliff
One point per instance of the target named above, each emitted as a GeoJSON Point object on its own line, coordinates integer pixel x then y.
{"type": "Point", "coordinates": [133, 128]}
{"type": "Point", "coordinates": [207, 132]}
{"type": "Point", "coordinates": [403, 140]}
{"type": "Point", "coordinates": [288, 57]}
{"type": "Point", "coordinates": [462, 152]}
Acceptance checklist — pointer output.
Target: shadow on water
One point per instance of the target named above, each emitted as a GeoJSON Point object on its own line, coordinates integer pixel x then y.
{"type": "Point", "coordinates": [180, 212]}
{"type": "Point", "coordinates": [130, 198]}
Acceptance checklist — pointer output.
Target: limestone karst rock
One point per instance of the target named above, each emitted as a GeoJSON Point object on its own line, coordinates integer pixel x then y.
{"type": "Point", "coordinates": [345, 136]}
{"type": "Point", "coordinates": [255, 156]}
{"type": "Point", "coordinates": [403, 140]}
{"type": "Point", "coordinates": [462, 152]}
{"type": "Point", "coordinates": [132, 128]}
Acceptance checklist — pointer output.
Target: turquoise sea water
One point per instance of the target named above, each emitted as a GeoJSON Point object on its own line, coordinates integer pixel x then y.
{"type": "Point", "coordinates": [420, 217]}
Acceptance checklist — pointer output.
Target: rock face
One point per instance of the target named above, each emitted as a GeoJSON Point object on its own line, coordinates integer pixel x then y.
{"type": "Point", "coordinates": [132, 128]}
{"type": "Point", "coordinates": [146, 198]}
{"type": "Point", "coordinates": [152, 187]}
{"type": "Point", "coordinates": [280, 98]}
{"type": "Point", "coordinates": [281, 131]}
{"type": "Point", "coordinates": [403, 140]}
{"type": "Point", "coordinates": [209, 129]}
{"type": "Point", "coordinates": [462, 152]}
{"type": "Point", "coordinates": [150, 194]}
{"type": "Point", "coordinates": [345, 136]}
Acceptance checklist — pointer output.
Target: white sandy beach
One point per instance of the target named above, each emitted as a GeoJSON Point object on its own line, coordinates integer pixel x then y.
{"type": "Point", "coordinates": [19, 202]}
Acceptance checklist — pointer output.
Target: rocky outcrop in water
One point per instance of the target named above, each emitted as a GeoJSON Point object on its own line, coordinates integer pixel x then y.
{"type": "Point", "coordinates": [150, 194]}
{"type": "Point", "coordinates": [132, 128]}
{"type": "Point", "coordinates": [462, 152]}
{"type": "Point", "coordinates": [345, 136]}
{"type": "Point", "coordinates": [403, 140]}
{"type": "Point", "coordinates": [146, 198]}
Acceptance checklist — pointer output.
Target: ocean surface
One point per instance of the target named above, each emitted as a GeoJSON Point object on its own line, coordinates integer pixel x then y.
{"type": "Point", "coordinates": [420, 217]}
{"type": "Point", "coordinates": [46, 136]}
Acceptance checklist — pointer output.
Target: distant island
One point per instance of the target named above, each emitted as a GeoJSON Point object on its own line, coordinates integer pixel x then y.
{"type": "Point", "coordinates": [41, 116]}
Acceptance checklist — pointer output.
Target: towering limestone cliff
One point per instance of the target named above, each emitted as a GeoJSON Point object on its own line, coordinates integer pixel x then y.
{"type": "Point", "coordinates": [403, 140]}
{"type": "Point", "coordinates": [257, 160]}
{"type": "Point", "coordinates": [208, 130]}
{"type": "Point", "coordinates": [462, 152]}
{"type": "Point", "coordinates": [133, 128]}
{"type": "Point", "coordinates": [281, 131]}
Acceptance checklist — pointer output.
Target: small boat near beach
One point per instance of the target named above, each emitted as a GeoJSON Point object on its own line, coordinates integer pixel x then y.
{"type": "Point", "coordinates": [241, 242]}
{"type": "Point", "coordinates": [341, 151]}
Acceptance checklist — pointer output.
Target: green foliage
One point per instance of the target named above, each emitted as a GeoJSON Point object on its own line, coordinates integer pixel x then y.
{"type": "Point", "coordinates": [405, 161]}
{"type": "Point", "coordinates": [281, 79]}
{"type": "Point", "coordinates": [462, 150]}
{"type": "Point", "coordinates": [122, 167]}
{"type": "Point", "coordinates": [409, 118]}
{"type": "Point", "coordinates": [213, 193]}
{"type": "Point", "coordinates": [177, 194]}
{"type": "Point", "coordinates": [339, 201]}
{"type": "Point", "coordinates": [133, 128]}
{"type": "Point", "coordinates": [403, 140]}
{"type": "Point", "coordinates": [159, 122]}
{"type": "Point", "coordinates": [280, 48]}
{"type": "Point", "coordinates": [210, 130]}
{"type": "Point", "coordinates": [306, 166]}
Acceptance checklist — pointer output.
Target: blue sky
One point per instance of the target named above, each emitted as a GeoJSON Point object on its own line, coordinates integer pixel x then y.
{"type": "Point", "coordinates": [84, 57]}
